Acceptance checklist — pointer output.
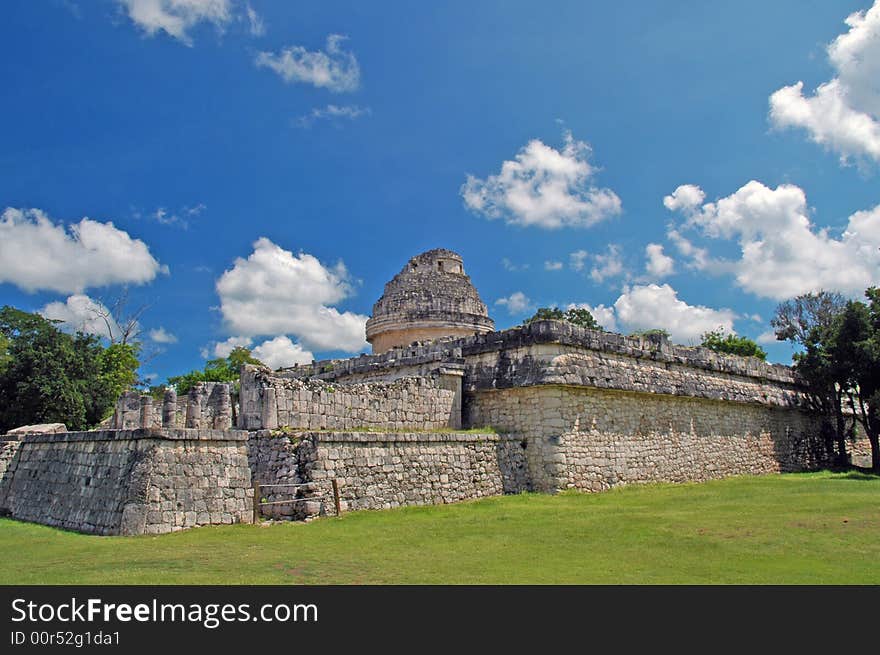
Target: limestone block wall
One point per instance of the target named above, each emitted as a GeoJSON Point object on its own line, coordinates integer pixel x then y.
{"type": "Point", "coordinates": [383, 470]}
{"type": "Point", "coordinates": [269, 401]}
{"type": "Point", "coordinates": [143, 481]}
{"type": "Point", "coordinates": [592, 439]}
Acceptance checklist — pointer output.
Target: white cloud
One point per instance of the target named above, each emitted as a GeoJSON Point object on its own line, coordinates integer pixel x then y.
{"type": "Point", "coordinates": [222, 349]}
{"type": "Point", "coordinates": [543, 187]}
{"type": "Point", "coordinates": [842, 114]}
{"type": "Point", "coordinates": [782, 254]}
{"type": "Point", "coordinates": [516, 303]}
{"type": "Point", "coordinates": [577, 259]}
{"type": "Point", "coordinates": [650, 306]}
{"type": "Point", "coordinates": [79, 313]}
{"type": "Point", "coordinates": [180, 218]}
{"type": "Point", "coordinates": [605, 266]}
{"type": "Point", "coordinates": [552, 266]}
{"type": "Point", "coordinates": [335, 69]}
{"type": "Point", "coordinates": [256, 26]}
{"type": "Point", "coordinates": [332, 113]}
{"type": "Point", "coordinates": [604, 315]}
{"type": "Point", "coordinates": [176, 17]}
{"type": "Point", "coordinates": [281, 352]}
{"type": "Point", "coordinates": [698, 258]}
{"type": "Point", "coordinates": [658, 264]}
{"type": "Point", "coordinates": [767, 337]}
{"type": "Point", "coordinates": [36, 253]}
{"type": "Point", "coordinates": [274, 292]}
{"type": "Point", "coordinates": [161, 335]}
{"type": "Point", "coordinates": [685, 198]}
{"type": "Point", "coordinates": [511, 267]}
{"type": "Point", "coordinates": [608, 265]}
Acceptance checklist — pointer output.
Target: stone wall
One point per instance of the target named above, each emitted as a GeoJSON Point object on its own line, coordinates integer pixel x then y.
{"type": "Point", "coordinates": [515, 357]}
{"type": "Point", "coordinates": [207, 406]}
{"type": "Point", "coordinates": [383, 470]}
{"type": "Point", "coordinates": [269, 401]}
{"type": "Point", "coordinates": [592, 439]}
{"type": "Point", "coordinates": [143, 481]}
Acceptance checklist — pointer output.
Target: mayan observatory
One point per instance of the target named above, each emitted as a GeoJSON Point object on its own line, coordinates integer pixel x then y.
{"type": "Point", "coordinates": [444, 409]}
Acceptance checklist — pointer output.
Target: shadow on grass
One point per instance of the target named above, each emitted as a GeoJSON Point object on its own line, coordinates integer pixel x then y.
{"type": "Point", "coordinates": [854, 473]}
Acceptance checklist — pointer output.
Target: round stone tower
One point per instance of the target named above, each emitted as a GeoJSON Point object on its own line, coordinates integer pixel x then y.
{"type": "Point", "coordinates": [429, 299]}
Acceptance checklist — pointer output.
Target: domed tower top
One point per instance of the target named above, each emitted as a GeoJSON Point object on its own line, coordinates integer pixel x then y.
{"type": "Point", "coordinates": [430, 298]}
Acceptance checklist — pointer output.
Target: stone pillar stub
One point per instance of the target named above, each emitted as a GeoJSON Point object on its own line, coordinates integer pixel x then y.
{"type": "Point", "coordinates": [169, 409]}
{"type": "Point", "coordinates": [269, 414]}
{"type": "Point", "coordinates": [450, 379]}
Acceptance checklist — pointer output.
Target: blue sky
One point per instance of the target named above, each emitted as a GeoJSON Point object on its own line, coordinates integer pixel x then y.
{"type": "Point", "coordinates": [255, 172]}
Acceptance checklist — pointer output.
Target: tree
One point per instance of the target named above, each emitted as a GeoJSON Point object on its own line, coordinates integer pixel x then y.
{"type": "Point", "coordinates": [794, 319]}
{"type": "Point", "coordinates": [224, 369]}
{"type": "Point", "coordinates": [858, 342]}
{"type": "Point", "coordinates": [576, 316]}
{"type": "Point", "coordinates": [808, 321]}
{"type": "Point", "coordinates": [732, 344]}
{"type": "Point", "coordinates": [48, 376]}
{"type": "Point", "coordinates": [841, 365]}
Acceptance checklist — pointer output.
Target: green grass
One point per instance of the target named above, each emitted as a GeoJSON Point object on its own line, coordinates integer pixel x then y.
{"type": "Point", "coordinates": [789, 529]}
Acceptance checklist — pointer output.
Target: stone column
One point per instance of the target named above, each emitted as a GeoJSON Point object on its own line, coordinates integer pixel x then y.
{"type": "Point", "coordinates": [169, 409]}
{"type": "Point", "coordinates": [194, 406]}
{"type": "Point", "coordinates": [221, 406]}
{"type": "Point", "coordinates": [146, 418]}
{"type": "Point", "coordinates": [269, 415]}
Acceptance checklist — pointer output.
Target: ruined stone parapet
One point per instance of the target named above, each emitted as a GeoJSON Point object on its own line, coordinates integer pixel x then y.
{"type": "Point", "coordinates": [269, 401]}
{"type": "Point", "coordinates": [430, 298]}
{"type": "Point", "coordinates": [559, 353]}
{"type": "Point", "coordinates": [208, 405]}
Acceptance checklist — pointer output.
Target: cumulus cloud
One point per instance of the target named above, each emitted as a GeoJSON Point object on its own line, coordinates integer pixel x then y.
{"type": "Point", "coordinates": [334, 113]}
{"type": "Point", "coordinates": [222, 349]}
{"type": "Point", "coordinates": [658, 264]}
{"type": "Point", "coordinates": [767, 337]}
{"type": "Point", "coordinates": [516, 303]}
{"type": "Point", "coordinates": [274, 292]}
{"type": "Point", "coordinates": [36, 253]}
{"type": "Point", "coordinates": [281, 352]}
{"type": "Point", "coordinates": [782, 253]}
{"type": "Point", "coordinates": [334, 69]}
{"type": "Point", "coordinates": [842, 114]}
{"type": "Point", "coordinates": [80, 313]}
{"type": "Point", "coordinates": [176, 17]}
{"type": "Point", "coordinates": [685, 198]}
{"type": "Point", "coordinates": [552, 266]}
{"type": "Point", "coordinates": [645, 307]}
{"type": "Point", "coordinates": [161, 335]}
{"type": "Point", "coordinates": [543, 187]}
{"type": "Point", "coordinates": [607, 265]}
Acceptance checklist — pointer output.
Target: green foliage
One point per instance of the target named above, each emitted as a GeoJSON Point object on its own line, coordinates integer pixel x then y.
{"type": "Point", "coordinates": [795, 319]}
{"type": "Point", "coordinates": [47, 376]}
{"type": "Point", "coordinates": [580, 317]}
{"type": "Point", "coordinates": [224, 369]}
{"type": "Point", "coordinates": [841, 365]}
{"type": "Point", "coordinates": [732, 344]}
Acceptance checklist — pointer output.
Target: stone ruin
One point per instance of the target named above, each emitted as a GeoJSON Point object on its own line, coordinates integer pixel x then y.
{"type": "Point", "coordinates": [546, 406]}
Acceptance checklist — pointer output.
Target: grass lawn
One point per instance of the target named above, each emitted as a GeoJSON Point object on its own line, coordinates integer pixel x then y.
{"type": "Point", "coordinates": [789, 529]}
